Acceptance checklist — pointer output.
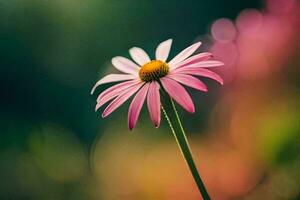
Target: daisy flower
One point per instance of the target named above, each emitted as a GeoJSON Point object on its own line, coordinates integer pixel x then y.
{"type": "Point", "coordinates": [144, 78]}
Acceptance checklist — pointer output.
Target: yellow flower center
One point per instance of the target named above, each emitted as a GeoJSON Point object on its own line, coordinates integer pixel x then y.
{"type": "Point", "coordinates": [153, 70]}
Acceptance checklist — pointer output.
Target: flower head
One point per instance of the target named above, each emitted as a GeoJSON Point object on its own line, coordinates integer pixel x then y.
{"type": "Point", "coordinates": [144, 77]}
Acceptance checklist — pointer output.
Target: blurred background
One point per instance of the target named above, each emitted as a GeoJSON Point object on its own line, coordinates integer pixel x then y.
{"type": "Point", "coordinates": [245, 135]}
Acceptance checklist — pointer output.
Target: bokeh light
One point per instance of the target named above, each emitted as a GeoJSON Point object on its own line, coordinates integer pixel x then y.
{"type": "Point", "coordinates": [223, 30]}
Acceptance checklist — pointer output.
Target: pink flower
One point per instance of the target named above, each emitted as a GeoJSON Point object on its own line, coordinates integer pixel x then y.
{"type": "Point", "coordinates": [144, 77]}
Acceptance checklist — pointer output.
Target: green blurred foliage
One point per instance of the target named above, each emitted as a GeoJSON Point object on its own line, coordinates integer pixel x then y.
{"type": "Point", "coordinates": [279, 132]}
{"type": "Point", "coordinates": [58, 153]}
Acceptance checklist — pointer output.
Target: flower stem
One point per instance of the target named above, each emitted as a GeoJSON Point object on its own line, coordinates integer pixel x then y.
{"type": "Point", "coordinates": [183, 144]}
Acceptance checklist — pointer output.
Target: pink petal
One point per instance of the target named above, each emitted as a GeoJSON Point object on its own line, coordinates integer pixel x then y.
{"type": "Point", "coordinates": [115, 92]}
{"type": "Point", "coordinates": [117, 102]}
{"type": "Point", "coordinates": [185, 53]}
{"type": "Point", "coordinates": [117, 88]}
{"type": "Point", "coordinates": [178, 93]}
{"type": "Point", "coordinates": [136, 106]}
{"type": "Point", "coordinates": [153, 102]}
{"type": "Point", "coordinates": [189, 80]}
{"type": "Point", "coordinates": [139, 55]}
{"type": "Point", "coordinates": [204, 64]}
{"type": "Point", "coordinates": [163, 50]}
{"type": "Point", "coordinates": [194, 59]}
{"type": "Point", "coordinates": [200, 72]}
{"type": "Point", "coordinates": [125, 65]}
{"type": "Point", "coordinates": [113, 78]}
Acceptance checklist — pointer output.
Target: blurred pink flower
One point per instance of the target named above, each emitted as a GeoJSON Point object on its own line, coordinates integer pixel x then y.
{"type": "Point", "coordinates": [259, 43]}
{"type": "Point", "coordinates": [145, 76]}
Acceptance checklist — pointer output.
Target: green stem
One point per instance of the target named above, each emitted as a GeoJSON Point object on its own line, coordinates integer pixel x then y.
{"type": "Point", "coordinates": [183, 144]}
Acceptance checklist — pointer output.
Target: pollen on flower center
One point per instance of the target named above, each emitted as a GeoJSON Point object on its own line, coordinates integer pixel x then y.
{"type": "Point", "coordinates": [153, 70]}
